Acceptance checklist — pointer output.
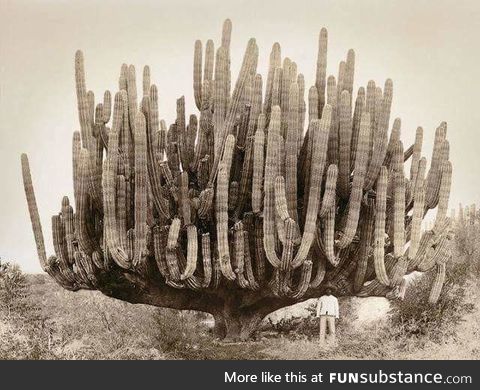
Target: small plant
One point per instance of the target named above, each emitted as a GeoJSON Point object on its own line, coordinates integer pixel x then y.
{"type": "Point", "coordinates": [440, 320]}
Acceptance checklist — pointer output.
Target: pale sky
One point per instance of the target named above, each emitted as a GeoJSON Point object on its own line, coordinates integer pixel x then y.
{"type": "Point", "coordinates": [430, 49]}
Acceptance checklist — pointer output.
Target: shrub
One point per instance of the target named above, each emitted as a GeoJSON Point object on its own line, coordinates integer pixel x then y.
{"type": "Point", "coordinates": [414, 316]}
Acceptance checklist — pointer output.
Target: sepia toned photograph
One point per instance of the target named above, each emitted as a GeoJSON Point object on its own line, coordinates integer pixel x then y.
{"type": "Point", "coordinates": [239, 180]}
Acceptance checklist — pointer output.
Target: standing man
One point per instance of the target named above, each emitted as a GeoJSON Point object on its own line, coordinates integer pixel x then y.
{"type": "Point", "coordinates": [327, 310]}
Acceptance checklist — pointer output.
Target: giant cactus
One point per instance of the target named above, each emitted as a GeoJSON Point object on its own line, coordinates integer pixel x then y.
{"type": "Point", "coordinates": [246, 209]}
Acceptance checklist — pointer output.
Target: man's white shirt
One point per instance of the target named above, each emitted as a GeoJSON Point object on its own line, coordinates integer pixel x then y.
{"type": "Point", "coordinates": [327, 305]}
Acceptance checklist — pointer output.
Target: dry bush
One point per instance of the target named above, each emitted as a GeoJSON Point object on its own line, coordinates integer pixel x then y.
{"type": "Point", "coordinates": [413, 316]}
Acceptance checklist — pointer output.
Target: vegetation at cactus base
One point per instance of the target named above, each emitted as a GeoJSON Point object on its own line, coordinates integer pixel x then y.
{"type": "Point", "coordinates": [40, 320]}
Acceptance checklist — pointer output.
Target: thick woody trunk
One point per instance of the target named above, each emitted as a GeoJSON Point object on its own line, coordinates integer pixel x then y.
{"type": "Point", "coordinates": [234, 325]}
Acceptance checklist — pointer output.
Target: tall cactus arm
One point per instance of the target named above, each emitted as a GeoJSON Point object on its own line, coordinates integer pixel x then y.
{"type": "Point", "coordinates": [117, 252]}
{"type": "Point", "coordinates": [219, 96]}
{"type": "Point", "coordinates": [207, 260]}
{"type": "Point", "coordinates": [239, 254]}
{"type": "Point", "coordinates": [250, 58]}
{"type": "Point", "coordinates": [301, 110]}
{"type": "Point", "coordinates": [270, 174]}
{"type": "Point", "coordinates": [287, 253]}
{"type": "Point", "coordinates": [345, 137]}
{"type": "Point", "coordinates": [281, 198]}
{"type": "Point", "coordinates": [349, 72]}
{"type": "Point", "coordinates": [291, 149]}
{"type": "Point", "coordinates": [305, 158]}
{"type": "Point", "coordinates": [192, 252]}
{"type": "Point", "coordinates": [329, 236]}
{"type": "Point", "coordinates": [416, 155]}
{"type": "Point", "coordinates": [437, 283]}
{"type": "Point", "coordinates": [434, 173]}
{"type": "Point", "coordinates": [197, 74]}
{"type": "Point", "coordinates": [146, 80]}
{"type": "Point", "coordinates": [86, 242]}
{"type": "Point", "coordinates": [255, 122]}
{"type": "Point", "coordinates": [418, 212]}
{"type": "Point", "coordinates": [399, 214]}
{"type": "Point", "coordinates": [209, 62]}
{"type": "Point", "coordinates": [221, 210]}
{"type": "Point", "coordinates": [33, 210]}
{"type": "Point", "coordinates": [141, 190]}
{"type": "Point", "coordinates": [328, 200]}
{"type": "Point", "coordinates": [366, 236]}
{"type": "Point", "coordinates": [184, 199]}
{"type": "Point", "coordinates": [320, 144]}
{"type": "Point", "coordinates": [444, 192]}
{"type": "Point", "coordinates": [380, 136]}
{"type": "Point", "coordinates": [154, 174]}
{"type": "Point", "coordinates": [160, 235]}
{"type": "Point", "coordinates": [69, 227]}
{"type": "Point", "coordinates": [332, 100]}
{"type": "Point", "coordinates": [82, 99]}
{"type": "Point", "coordinates": [274, 63]}
{"type": "Point", "coordinates": [303, 283]}
{"type": "Point", "coordinates": [357, 116]}
{"type": "Point", "coordinates": [249, 274]}
{"type": "Point", "coordinates": [380, 216]}
{"type": "Point", "coordinates": [258, 165]}
{"type": "Point", "coordinates": [357, 185]}
{"type": "Point", "coordinates": [107, 106]}
{"type": "Point", "coordinates": [132, 96]}
{"type": "Point", "coordinates": [320, 79]}
{"type": "Point", "coordinates": [172, 243]}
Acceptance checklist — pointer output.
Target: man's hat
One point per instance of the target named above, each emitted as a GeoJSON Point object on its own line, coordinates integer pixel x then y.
{"type": "Point", "coordinates": [330, 286]}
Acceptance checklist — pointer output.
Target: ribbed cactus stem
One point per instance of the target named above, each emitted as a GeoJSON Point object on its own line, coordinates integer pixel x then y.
{"type": "Point", "coordinates": [197, 74]}
{"type": "Point", "coordinates": [280, 198]}
{"type": "Point", "coordinates": [332, 100]}
{"type": "Point", "coordinates": [444, 192]}
{"type": "Point", "coordinates": [291, 149]}
{"type": "Point", "coordinates": [380, 134]}
{"type": "Point", "coordinates": [209, 62]}
{"type": "Point", "coordinates": [380, 216]}
{"type": "Point", "coordinates": [33, 210]}
{"type": "Point", "coordinates": [192, 252]}
{"type": "Point", "coordinates": [434, 173]}
{"type": "Point", "coordinates": [318, 165]}
{"type": "Point", "coordinates": [329, 236]}
{"type": "Point", "coordinates": [320, 79]}
{"type": "Point", "coordinates": [328, 200]}
{"type": "Point", "coordinates": [357, 115]}
{"type": "Point", "coordinates": [366, 236]}
{"type": "Point", "coordinates": [258, 165]}
{"type": "Point", "coordinates": [248, 65]}
{"type": "Point", "coordinates": [357, 184]}
{"type": "Point", "coordinates": [117, 252]}
{"type": "Point", "coordinates": [146, 80]}
{"type": "Point", "coordinates": [271, 170]}
{"type": "Point", "coordinates": [86, 243]}
{"type": "Point", "coordinates": [345, 137]}
{"type": "Point", "coordinates": [287, 253]}
{"type": "Point", "coordinates": [399, 215]}
{"type": "Point", "coordinates": [437, 283]}
{"type": "Point", "coordinates": [141, 189]}
{"type": "Point", "coordinates": [418, 210]}
{"type": "Point", "coordinates": [274, 62]}
{"type": "Point", "coordinates": [160, 235]}
{"type": "Point", "coordinates": [221, 209]}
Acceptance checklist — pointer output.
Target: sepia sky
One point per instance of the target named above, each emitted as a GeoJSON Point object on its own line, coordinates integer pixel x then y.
{"type": "Point", "coordinates": [429, 48]}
